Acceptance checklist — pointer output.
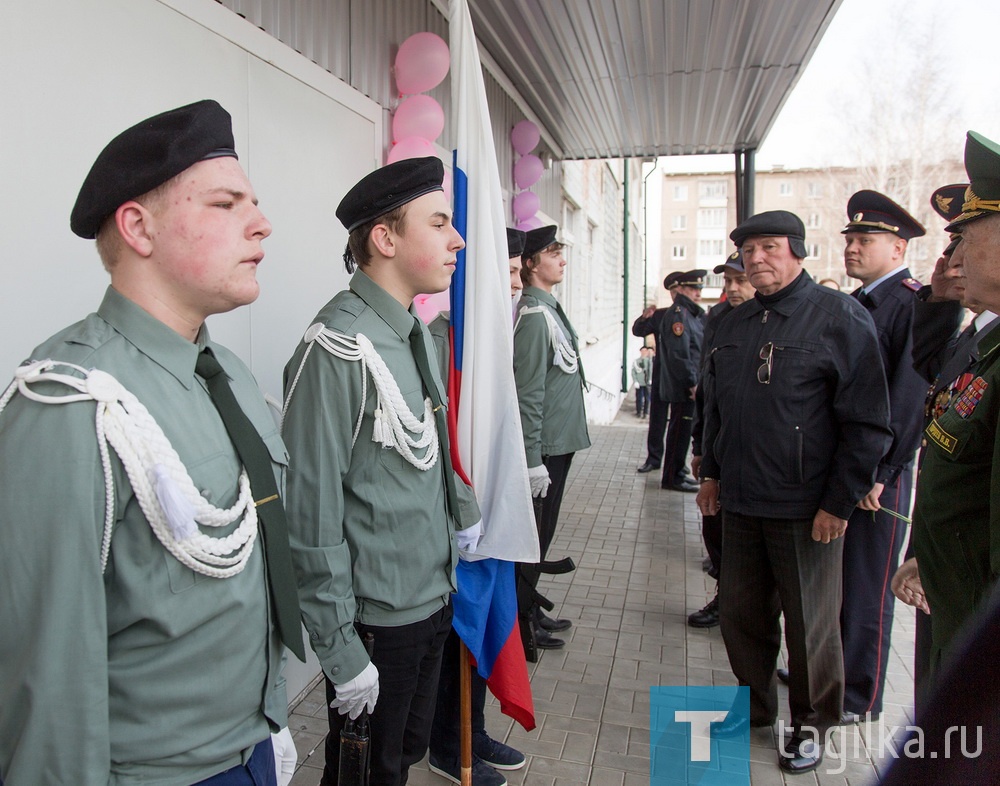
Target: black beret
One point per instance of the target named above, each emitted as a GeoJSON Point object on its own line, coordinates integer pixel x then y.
{"type": "Point", "coordinates": [982, 165]}
{"type": "Point", "coordinates": [870, 211]}
{"type": "Point", "coordinates": [389, 187]}
{"type": "Point", "coordinates": [947, 200]}
{"type": "Point", "coordinates": [734, 262]}
{"type": "Point", "coordinates": [774, 223]}
{"type": "Point", "coordinates": [146, 156]}
{"type": "Point", "coordinates": [536, 240]}
{"type": "Point", "coordinates": [515, 242]}
{"type": "Point", "coordinates": [685, 278]}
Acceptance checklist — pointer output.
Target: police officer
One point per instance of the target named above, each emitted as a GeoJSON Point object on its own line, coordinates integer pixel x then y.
{"type": "Point", "coordinates": [677, 332]}
{"type": "Point", "coordinates": [954, 527]}
{"type": "Point", "coordinates": [796, 421]}
{"type": "Point", "coordinates": [876, 237]}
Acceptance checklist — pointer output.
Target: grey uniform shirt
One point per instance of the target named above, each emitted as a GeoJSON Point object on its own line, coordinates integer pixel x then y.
{"type": "Point", "coordinates": [372, 539]}
{"type": "Point", "coordinates": [150, 673]}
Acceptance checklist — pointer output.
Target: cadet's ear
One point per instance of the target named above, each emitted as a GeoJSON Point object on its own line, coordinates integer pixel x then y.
{"type": "Point", "coordinates": [382, 240]}
{"type": "Point", "coordinates": [134, 223]}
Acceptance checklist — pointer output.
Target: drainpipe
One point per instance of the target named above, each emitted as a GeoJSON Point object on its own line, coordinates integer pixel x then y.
{"type": "Point", "coordinates": [625, 330]}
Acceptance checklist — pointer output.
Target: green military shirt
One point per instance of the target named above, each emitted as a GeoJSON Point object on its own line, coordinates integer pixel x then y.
{"type": "Point", "coordinates": [150, 673]}
{"type": "Point", "coordinates": [370, 533]}
{"type": "Point", "coordinates": [956, 520]}
{"type": "Point", "coordinates": [553, 417]}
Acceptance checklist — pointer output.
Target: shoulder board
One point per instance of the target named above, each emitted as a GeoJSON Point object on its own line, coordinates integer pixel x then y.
{"type": "Point", "coordinates": [912, 284]}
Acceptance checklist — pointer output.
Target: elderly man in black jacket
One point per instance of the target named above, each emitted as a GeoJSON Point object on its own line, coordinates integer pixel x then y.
{"type": "Point", "coordinates": [677, 332]}
{"type": "Point", "coordinates": [796, 421]}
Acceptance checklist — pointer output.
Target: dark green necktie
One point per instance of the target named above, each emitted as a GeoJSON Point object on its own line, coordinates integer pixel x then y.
{"type": "Point", "coordinates": [573, 341]}
{"type": "Point", "coordinates": [419, 349]}
{"type": "Point", "coordinates": [256, 460]}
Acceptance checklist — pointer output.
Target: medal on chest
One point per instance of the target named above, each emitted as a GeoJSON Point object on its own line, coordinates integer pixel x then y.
{"type": "Point", "coordinates": [677, 328]}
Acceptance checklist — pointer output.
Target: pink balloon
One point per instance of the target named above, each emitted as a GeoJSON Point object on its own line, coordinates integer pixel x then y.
{"type": "Point", "coordinates": [524, 137]}
{"type": "Point", "coordinates": [525, 205]}
{"type": "Point", "coordinates": [410, 147]}
{"type": "Point", "coordinates": [527, 171]}
{"type": "Point", "coordinates": [532, 223]}
{"type": "Point", "coordinates": [418, 115]}
{"type": "Point", "coordinates": [421, 63]}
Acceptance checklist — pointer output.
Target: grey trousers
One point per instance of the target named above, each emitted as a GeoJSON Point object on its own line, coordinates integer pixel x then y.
{"type": "Point", "coordinates": [773, 566]}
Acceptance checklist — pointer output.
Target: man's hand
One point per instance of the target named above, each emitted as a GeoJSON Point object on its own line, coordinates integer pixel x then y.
{"type": "Point", "coordinates": [468, 539]}
{"type": "Point", "coordinates": [539, 479]}
{"type": "Point", "coordinates": [870, 500]}
{"type": "Point", "coordinates": [708, 498]}
{"type": "Point", "coordinates": [907, 587]}
{"type": "Point", "coordinates": [696, 467]}
{"type": "Point", "coordinates": [358, 694]}
{"type": "Point", "coordinates": [947, 280]}
{"type": "Point", "coordinates": [285, 756]}
{"type": "Point", "coordinates": [827, 527]}
{"type": "Point", "coordinates": [649, 312]}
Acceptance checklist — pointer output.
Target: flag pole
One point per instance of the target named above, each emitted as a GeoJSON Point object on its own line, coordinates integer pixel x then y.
{"type": "Point", "coordinates": [465, 678]}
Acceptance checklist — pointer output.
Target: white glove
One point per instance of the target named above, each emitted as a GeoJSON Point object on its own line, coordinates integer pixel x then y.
{"type": "Point", "coordinates": [539, 479]}
{"type": "Point", "coordinates": [285, 756]}
{"type": "Point", "coordinates": [468, 538]}
{"type": "Point", "coordinates": [358, 694]}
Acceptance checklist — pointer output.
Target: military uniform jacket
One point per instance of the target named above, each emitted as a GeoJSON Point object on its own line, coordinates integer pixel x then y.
{"type": "Point", "coordinates": [553, 416]}
{"type": "Point", "coordinates": [150, 673]}
{"type": "Point", "coordinates": [891, 305]}
{"type": "Point", "coordinates": [715, 313]}
{"type": "Point", "coordinates": [371, 536]}
{"type": "Point", "coordinates": [642, 371]}
{"type": "Point", "coordinates": [936, 327]}
{"type": "Point", "coordinates": [956, 520]}
{"type": "Point", "coordinates": [678, 332]}
{"type": "Point", "coordinates": [812, 437]}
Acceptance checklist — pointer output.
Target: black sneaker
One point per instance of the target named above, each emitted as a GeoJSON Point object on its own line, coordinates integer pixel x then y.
{"type": "Point", "coordinates": [707, 617]}
{"type": "Point", "coordinates": [496, 754]}
{"type": "Point", "coordinates": [482, 773]}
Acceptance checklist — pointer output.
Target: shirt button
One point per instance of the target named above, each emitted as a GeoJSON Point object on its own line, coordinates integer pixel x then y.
{"type": "Point", "coordinates": [923, 443]}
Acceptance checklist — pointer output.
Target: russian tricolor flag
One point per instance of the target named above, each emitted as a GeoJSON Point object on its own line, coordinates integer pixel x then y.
{"type": "Point", "coordinates": [487, 448]}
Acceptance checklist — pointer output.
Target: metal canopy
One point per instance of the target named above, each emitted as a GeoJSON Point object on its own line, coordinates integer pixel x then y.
{"type": "Point", "coordinates": [622, 78]}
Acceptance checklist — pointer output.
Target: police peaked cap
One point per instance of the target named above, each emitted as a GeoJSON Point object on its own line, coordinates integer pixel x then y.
{"type": "Point", "coordinates": [389, 187]}
{"type": "Point", "coordinates": [515, 243]}
{"type": "Point", "coordinates": [982, 164]}
{"type": "Point", "coordinates": [870, 211]}
{"type": "Point", "coordinates": [947, 200]}
{"type": "Point", "coordinates": [774, 223]}
{"type": "Point", "coordinates": [734, 262]}
{"type": "Point", "coordinates": [147, 155]}
{"type": "Point", "coordinates": [687, 278]}
{"type": "Point", "coordinates": [536, 240]}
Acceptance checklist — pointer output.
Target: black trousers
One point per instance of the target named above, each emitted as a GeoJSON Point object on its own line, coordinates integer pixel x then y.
{"type": "Point", "coordinates": [408, 659]}
{"type": "Point", "coordinates": [642, 400]}
{"type": "Point", "coordinates": [711, 534]}
{"type": "Point", "coordinates": [871, 555]}
{"type": "Point", "coordinates": [774, 566]}
{"type": "Point", "coordinates": [675, 419]}
{"type": "Point", "coordinates": [445, 741]}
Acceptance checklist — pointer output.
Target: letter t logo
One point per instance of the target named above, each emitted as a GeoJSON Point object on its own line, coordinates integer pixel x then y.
{"type": "Point", "coordinates": [701, 730]}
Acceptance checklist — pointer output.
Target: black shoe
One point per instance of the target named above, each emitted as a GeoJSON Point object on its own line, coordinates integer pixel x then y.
{"type": "Point", "coordinates": [545, 640]}
{"type": "Point", "coordinates": [783, 676]}
{"type": "Point", "coordinates": [707, 617]}
{"type": "Point", "coordinates": [495, 753]}
{"type": "Point", "coordinates": [649, 466]}
{"type": "Point", "coordinates": [482, 773]}
{"type": "Point", "coordinates": [800, 755]}
{"type": "Point", "coordinates": [687, 486]}
{"type": "Point", "coordinates": [551, 625]}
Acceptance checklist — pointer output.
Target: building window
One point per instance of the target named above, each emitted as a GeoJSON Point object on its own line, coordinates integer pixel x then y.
{"type": "Point", "coordinates": [680, 222]}
{"type": "Point", "coordinates": [680, 193]}
{"type": "Point", "coordinates": [815, 189]}
{"type": "Point", "coordinates": [710, 248]}
{"type": "Point", "coordinates": [712, 189]}
{"type": "Point", "coordinates": [679, 252]}
{"type": "Point", "coordinates": [812, 251]}
{"type": "Point", "coordinates": [784, 188]}
{"type": "Point", "coordinates": [712, 217]}
{"type": "Point", "coordinates": [813, 222]}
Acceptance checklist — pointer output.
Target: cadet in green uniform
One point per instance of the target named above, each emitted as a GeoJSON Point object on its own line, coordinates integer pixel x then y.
{"type": "Point", "coordinates": [550, 380]}
{"type": "Point", "coordinates": [956, 524]}
{"type": "Point", "coordinates": [138, 646]}
{"type": "Point", "coordinates": [373, 502]}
